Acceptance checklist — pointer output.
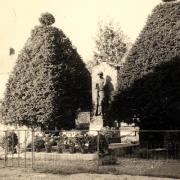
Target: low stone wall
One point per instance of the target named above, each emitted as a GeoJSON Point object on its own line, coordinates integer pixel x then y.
{"type": "Point", "coordinates": [129, 133]}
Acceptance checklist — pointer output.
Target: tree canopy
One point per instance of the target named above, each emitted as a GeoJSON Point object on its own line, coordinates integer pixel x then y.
{"type": "Point", "coordinates": [111, 43]}
{"type": "Point", "coordinates": [49, 81]}
{"type": "Point", "coordinates": [149, 80]}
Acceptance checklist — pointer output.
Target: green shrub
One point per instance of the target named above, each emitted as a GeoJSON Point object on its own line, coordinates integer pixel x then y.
{"type": "Point", "coordinates": [111, 135]}
{"type": "Point", "coordinates": [168, 0]}
{"type": "Point", "coordinates": [10, 141]}
{"type": "Point", "coordinates": [50, 141]}
{"type": "Point", "coordinates": [82, 143]}
{"type": "Point", "coordinates": [149, 80]}
{"type": "Point", "coordinates": [47, 19]}
{"type": "Point", "coordinates": [38, 144]}
{"type": "Point", "coordinates": [49, 81]}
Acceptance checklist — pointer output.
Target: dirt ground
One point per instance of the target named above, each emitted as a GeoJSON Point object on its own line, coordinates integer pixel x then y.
{"type": "Point", "coordinates": [24, 174]}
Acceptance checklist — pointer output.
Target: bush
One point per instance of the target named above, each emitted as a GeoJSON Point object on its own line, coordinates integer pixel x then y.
{"type": "Point", "coordinates": [168, 0]}
{"type": "Point", "coordinates": [111, 135]}
{"type": "Point", "coordinates": [49, 82]}
{"type": "Point", "coordinates": [172, 144]}
{"type": "Point", "coordinates": [82, 143]}
{"type": "Point", "coordinates": [47, 19]}
{"type": "Point", "coordinates": [10, 141]}
{"type": "Point", "coordinates": [60, 143]}
{"type": "Point", "coordinates": [50, 141]}
{"type": "Point", "coordinates": [149, 80]}
{"type": "Point", "coordinates": [38, 144]}
{"type": "Point", "coordinates": [103, 144]}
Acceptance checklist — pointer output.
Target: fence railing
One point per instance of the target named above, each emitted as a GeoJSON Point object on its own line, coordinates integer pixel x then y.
{"type": "Point", "coordinates": [84, 151]}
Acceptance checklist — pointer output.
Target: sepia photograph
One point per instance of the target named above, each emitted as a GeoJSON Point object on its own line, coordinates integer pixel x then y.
{"type": "Point", "coordinates": [90, 89]}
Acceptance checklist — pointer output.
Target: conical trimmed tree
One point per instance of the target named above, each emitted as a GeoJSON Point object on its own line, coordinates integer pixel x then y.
{"type": "Point", "coordinates": [149, 81]}
{"type": "Point", "coordinates": [49, 81]}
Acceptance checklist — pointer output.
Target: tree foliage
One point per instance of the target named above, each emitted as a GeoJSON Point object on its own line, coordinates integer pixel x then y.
{"type": "Point", "coordinates": [111, 43]}
{"type": "Point", "coordinates": [46, 19]}
{"type": "Point", "coordinates": [49, 81]}
{"type": "Point", "coordinates": [168, 0]}
{"type": "Point", "coordinates": [149, 80]}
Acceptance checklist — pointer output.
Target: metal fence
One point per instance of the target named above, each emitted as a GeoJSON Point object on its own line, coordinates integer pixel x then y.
{"type": "Point", "coordinates": [90, 151]}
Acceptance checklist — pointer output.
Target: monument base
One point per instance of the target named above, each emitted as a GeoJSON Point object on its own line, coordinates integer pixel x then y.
{"type": "Point", "coordinates": [96, 124]}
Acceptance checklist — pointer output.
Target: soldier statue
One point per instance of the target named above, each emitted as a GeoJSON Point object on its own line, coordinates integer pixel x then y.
{"type": "Point", "coordinates": [100, 84]}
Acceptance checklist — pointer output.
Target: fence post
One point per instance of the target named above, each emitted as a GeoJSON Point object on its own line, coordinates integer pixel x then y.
{"type": "Point", "coordinates": [12, 149]}
{"type": "Point", "coordinates": [98, 150]}
{"type": "Point", "coordinates": [25, 149]}
{"type": "Point", "coordinates": [18, 148]}
{"type": "Point", "coordinates": [32, 149]}
{"type": "Point", "coordinates": [6, 150]}
{"type": "Point", "coordinates": [147, 149]}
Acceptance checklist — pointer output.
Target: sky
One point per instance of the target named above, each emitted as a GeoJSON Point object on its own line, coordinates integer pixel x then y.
{"type": "Point", "coordinates": [77, 18]}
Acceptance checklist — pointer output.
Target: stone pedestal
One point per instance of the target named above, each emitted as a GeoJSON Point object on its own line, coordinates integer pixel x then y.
{"type": "Point", "coordinates": [96, 124]}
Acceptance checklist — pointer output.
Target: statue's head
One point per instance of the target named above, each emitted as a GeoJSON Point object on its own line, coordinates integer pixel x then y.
{"type": "Point", "coordinates": [100, 74]}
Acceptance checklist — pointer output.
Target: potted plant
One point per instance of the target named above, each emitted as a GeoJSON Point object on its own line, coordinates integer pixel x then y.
{"type": "Point", "coordinates": [38, 143]}
{"type": "Point", "coordinates": [60, 142]}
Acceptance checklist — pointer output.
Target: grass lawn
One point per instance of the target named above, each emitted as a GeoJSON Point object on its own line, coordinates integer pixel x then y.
{"type": "Point", "coordinates": [27, 174]}
{"type": "Point", "coordinates": [129, 166]}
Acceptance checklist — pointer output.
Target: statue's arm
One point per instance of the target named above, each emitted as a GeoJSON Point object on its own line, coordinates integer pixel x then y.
{"type": "Point", "coordinates": [97, 86]}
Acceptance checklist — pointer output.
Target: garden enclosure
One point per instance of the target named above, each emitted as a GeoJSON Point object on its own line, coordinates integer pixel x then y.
{"type": "Point", "coordinates": [85, 151]}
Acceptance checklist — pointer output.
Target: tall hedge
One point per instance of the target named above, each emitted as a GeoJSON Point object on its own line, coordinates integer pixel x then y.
{"type": "Point", "coordinates": [168, 0]}
{"type": "Point", "coordinates": [49, 81]}
{"type": "Point", "coordinates": [149, 80]}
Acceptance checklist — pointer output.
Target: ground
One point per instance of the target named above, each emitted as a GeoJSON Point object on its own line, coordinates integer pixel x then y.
{"type": "Point", "coordinates": [45, 163]}
{"type": "Point", "coordinates": [131, 166]}
{"type": "Point", "coordinates": [25, 174]}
